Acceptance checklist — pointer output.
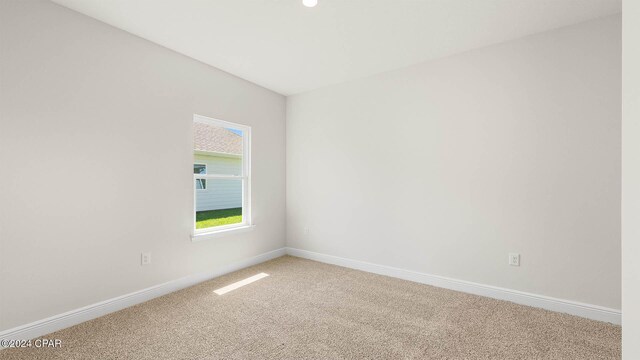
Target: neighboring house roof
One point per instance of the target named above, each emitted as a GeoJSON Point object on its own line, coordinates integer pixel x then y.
{"type": "Point", "coordinates": [216, 139]}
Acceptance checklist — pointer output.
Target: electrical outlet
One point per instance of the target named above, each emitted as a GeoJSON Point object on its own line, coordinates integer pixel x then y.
{"type": "Point", "coordinates": [306, 231]}
{"type": "Point", "coordinates": [514, 259]}
{"type": "Point", "coordinates": [145, 259]}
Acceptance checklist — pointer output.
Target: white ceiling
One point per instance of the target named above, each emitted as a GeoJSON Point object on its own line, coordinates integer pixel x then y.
{"type": "Point", "coordinates": [288, 48]}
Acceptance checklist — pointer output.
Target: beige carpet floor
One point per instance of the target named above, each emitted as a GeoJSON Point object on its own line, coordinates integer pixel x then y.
{"type": "Point", "coordinates": [309, 310]}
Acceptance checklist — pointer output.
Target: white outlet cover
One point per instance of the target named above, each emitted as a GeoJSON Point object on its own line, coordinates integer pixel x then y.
{"type": "Point", "coordinates": [145, 258]}
{"type": "Point", "coordinates": [514, 259]}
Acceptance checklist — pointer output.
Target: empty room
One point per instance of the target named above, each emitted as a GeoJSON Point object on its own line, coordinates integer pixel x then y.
{"type": "Point", "coordinates": [320, 179]}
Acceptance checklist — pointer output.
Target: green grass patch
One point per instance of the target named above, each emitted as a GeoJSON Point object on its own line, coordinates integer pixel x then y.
{"type": "Point", "coordinates": [207, 219]}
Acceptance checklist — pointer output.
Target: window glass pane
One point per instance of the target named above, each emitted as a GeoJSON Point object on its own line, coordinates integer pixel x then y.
{"type": "Point", "coordinates": [219, 204]}
{"type": "Point", "coordinates": [200, 169]}
{"type": "Point", "coordinates": [219, 148]}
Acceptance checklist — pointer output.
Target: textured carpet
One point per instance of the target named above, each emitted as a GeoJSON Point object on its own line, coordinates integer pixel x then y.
{"type": "Point", "coordinates": [309, 310]}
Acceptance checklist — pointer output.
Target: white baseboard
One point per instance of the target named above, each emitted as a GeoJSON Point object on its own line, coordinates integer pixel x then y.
{"type": "Point", "coordinates": [77, 316]}
{"type": "Point", "coordinates": [588, 311]}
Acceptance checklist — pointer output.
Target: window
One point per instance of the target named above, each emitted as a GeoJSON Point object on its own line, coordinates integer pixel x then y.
{"type": "Point", "coordinates": [201, 169]}
{"type": "Point", "coordinates": [221, 173]}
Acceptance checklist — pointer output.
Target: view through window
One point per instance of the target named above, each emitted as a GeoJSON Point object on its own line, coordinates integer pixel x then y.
{"type": "Point", "coordinates": [221, 175]}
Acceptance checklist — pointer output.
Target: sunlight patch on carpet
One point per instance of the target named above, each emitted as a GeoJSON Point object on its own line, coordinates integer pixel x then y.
{"type": "Point", "coordinates": [240, 283]}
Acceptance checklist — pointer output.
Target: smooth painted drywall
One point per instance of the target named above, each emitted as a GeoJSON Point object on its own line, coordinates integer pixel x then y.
{"type": "Point", "coordinates": [447, 166]}
{"type": "Point", "coordinates": [630, 179]}
{"type": "Point", "coordinates": [96, 162]}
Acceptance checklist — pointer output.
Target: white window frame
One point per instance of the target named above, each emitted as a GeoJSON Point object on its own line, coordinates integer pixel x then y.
{"type": "Point", "coordinates": [205, 172]}
{"type": "Point", "coordinates": [244, 177]}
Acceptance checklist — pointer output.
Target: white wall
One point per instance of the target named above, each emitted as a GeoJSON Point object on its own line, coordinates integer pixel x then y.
{"type": "Point", "coordinates": [631, 180]}
{"type": "Point", "coordinates": [447, 166]}
{"type": "Point", "coordinates": [219, 194]}
{"type": "Point", "coordinates": [87, 107]}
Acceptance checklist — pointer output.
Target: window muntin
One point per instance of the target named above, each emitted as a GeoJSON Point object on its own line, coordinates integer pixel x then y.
{"type": "Point", "coordinates": [222, 183]}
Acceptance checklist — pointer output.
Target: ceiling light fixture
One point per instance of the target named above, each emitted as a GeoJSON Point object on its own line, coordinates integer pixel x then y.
{"type": "Point", "coordinates": [309, 3]}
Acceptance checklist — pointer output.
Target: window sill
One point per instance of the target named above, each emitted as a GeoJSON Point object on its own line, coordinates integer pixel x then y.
{"type": "Point", "coordinates": [221, 233]}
